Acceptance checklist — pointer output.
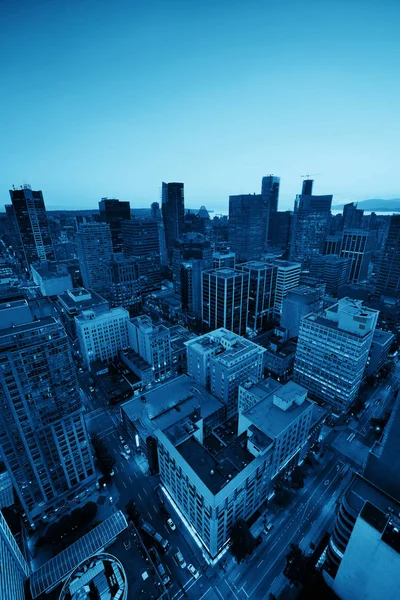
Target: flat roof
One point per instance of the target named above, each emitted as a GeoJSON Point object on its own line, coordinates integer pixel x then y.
{"type": "Point", "coordinates": [15, 329]}
{"type": "Point", "coordinates": [325, 322]}
{"type": "Point", "coordinates": [362, 490]}
{"type": "Point", "coordinates": [13, 304]}
{"type": "Point", "coordinates": [58, 568]}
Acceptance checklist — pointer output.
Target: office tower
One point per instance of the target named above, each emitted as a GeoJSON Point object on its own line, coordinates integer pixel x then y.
{"type": "Point", "coordinates": [287, 277]}
{"type": "Point", "coordinates": [332, 270]}
{"type": "Point", "coordinates": [191, 281]}
{"type": "Point", "coordinates": [352, 216]}
{"type": "Point", "coordinates": [270, 191]}
{"type": "Point", "coordinates": [224, 299]}
{"type": "Point", "coordinates": [43, 438]}
{"type": "Point", "coordinates": [187, 247]}
{"type": "Point", "coordinates": [113, 212]}
{"type": "Point", "coordinates": [73, 302]}
{"type": "Point", "coordinates": [155, 212]}
{"type": "Point", "coordinates": [223, 259]}
{"type": "Point", "coordinates": [379, 352]}
{"type": "Point", "coordinates": [332, 352]}
{"type": "Point", "coordinates": [173, 213]}
{"type": "Point", "coordinates": [299, 302]}
{"type": "Point", "coordinates": [14, 569]}
{"type": "Point", "coordinates": [152, 343]}
{"type": "Point", "coordinates": [33, 226]}
{"type": "Point", "coordinates": [358, 244]}
{"type": "Point", "coordinates": [279, 229]}
{"type": "Point", "coordinates": [363, 557]}
{"type": "Point", "coordinates": [141, 239]}
{"type": "Point", "coordinates": [389, 268]}
{"type": "Point", "coordinates": [102, 336]}
{"type": "Point", "coordinates": [333, 243]}
{"type": "Point", "coordinates": [262, 287]}
{"type": "Point", "coordinates": [310, 224]}
{"type": "Point", "coordinates": [248, 225]}
{"type": "Point", "coordinates": [94, 249]}
{"type": "Point", "coordinates": [124, 283]}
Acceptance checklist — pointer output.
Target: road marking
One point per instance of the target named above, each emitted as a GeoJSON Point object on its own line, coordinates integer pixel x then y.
{"type": "Point", "coordinates": [227, 583]}
{"type": "Point", "coordinates": [219, 593]}
{"type": "Point", "coordinates": [259, 565]}
{"type": "Point", "coordinates": [124, 484]}
{"type": "Point", "coordinates": [155, 510]}
{"type": "Point", "coordinates": [116, 469]}
{"type": "Point", "coordinates": [150, 515]}
{"type": "Point", "coordinates": [243, 590]}
{"type": "Point", "coordinates": [140, 497]}
{"type": "Point", "coordinates": [145, 492]}
{"type": "Point", "coordinates": [130, 478]}
{"type": "Point", "coordinates": [205, 593]}
{"type": "Point", "coordinates": [238, 575]}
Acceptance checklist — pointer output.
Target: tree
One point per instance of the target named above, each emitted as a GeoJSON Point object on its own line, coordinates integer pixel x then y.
{"type": "Point", "coordinates": [298, 566]}
{"type": "Point", "coordinates": [297, 478]}
{"type": "Point", "coordinates": [370, 379]}
{"type": "Point", "coordinates": [282, 496]}
{"type": "Point", "coordinates": [242, 542]}
{"type": "Point", "coordinates": [104, 460]}
{"type": "Point", "coordinates": [132, 512]}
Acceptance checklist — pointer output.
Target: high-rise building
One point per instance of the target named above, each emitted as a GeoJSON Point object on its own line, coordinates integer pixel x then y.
{"type": "Point", "coordinates": [155, 212]}
{"type": "Point", "coordinates": [333, 244]}
{"type": "Point", "coordinates": [299, 302]}
{"type": "Point", "coordinates": [389, 269]}
{"type": "Point", "coordinates": [310, 224]}
{"type": "Point", "coordinates": [223, 259]}
{"type": "Point", "coordinates": [352, 216]}
{"type": "Point", "coordinates": [279, 229]}
{"type": "Point", "coordinates": [224, 299]}
{"type": "Point", "coordinates": [332, 270]}
{"type": "Point", "coordinates": [248, 225]}
{"type": "Point", "coordinates": [94, 249]}
{"type": "Point", "coordinates": [262, 287]}
{"type": "Point", "coordinates": [43, 438]}
{"type": "Point", "coordinates": [14, 569]}
{"type": "Point", "coordinates": [33, 226]}
{"type": "Point", "coordinates": [358, 245]}
{"type": "Point", "coordinates": [125, 284]}
{"type": "Point", "coordinates": [270, 192]}
{"type": "Point", "coordinates": [173, 213]}
{"type": "Point", "coordinates": [287, 277]}
{"type": "Point", "coordinates": [191, 281]}
{"type": "Point", "coordinates": [102, 336]}
{"type": "Point", "coordinates": [187, 247]}
{"type": "Point", "coordinates": [152, 343]}
{"type": "Point", "coordinates": [141, 239]}
{"type": "Point", "coordinates": [113, 212]}
{"type": "Point", "coordinates": [332, 352]}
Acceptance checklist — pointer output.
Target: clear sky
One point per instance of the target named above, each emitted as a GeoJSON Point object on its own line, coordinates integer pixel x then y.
{"type": "Point", "coordinates": [111, 97]}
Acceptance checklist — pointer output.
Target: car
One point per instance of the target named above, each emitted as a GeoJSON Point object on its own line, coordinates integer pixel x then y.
{"type": "Point", "coordinates": [171, 524]}
{"type": "Point", "coordinates": [377, 401]}
{"type": "Point", "coordinates": [91, 388]}
{"type": "Point", "coordinates": [180, 560]}
{"type": "Point", "coordinates": [258, 540]}
{"type": "Point", "coordinates": [112, 473]}
{"type": "Point", "coordinates": [80, 370]}
{"type": "Point", "coordinates": [127, 449]}
{"type": "Point", "coordinates": [268, 528]}
{"type": "Point", "coordinates": [110, 499]}
{"type": "Point", "coordinates": [193, 571]}
{"type": "Point", "coordinates": [121, 439]}
{"type": "Point", "coordinates": [124, 455]}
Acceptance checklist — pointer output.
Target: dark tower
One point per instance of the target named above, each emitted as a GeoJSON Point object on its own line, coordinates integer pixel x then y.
{"type": "Point", "coordinates": [173, 213]}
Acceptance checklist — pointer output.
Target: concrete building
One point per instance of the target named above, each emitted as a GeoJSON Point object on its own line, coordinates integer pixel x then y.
{"type": "Point", "coordinates": [225, 297]}
{"type": "Point", "coordinates": [152, 343]}
{"type": "Point", "coordinates": [279, 229]}
{"type": "Point", "coordinates": [363, 558]}
{"type": "Point", "coordinates": [358, 245]}
{"type": "Point", "coordinates": [189, 246]}
{"type": "Point", "coordinates": [124, 284]}
{"type": "Point", "coordinates": [102, 335]}
{"type": "Point", "coordinates": [279, 358]}
{"type": "Point", "coordinates": [379, 352]}
{"type": "Point", "coordinates": [223, 260]}
{"type": "Point", "coordinates": [299, 302]}
{"type": "Point", "coordinates": [262, 290]}
{"type": "Point", "coordinates": [332, 270]}
{"type": "Point", "coordinates": [389, 269]}
{"type": "Point", "coordinates": [73, 302]}
{"type": "Point", "coordinates": [94, 249]}
{"type": "Point", "coordinates": [248, 225]}
{"type": "Point", "coordinates": [333, 244]}
{"type": "Point", "coordinates": [287, 277]}
{"type": "Point", "coordinates": [113, 212]}
{"type": "Point", "coordinates": [332, 352]}
{"type": "Point", "coordinates": [14, 568]}
{"type": "Point", "coordinates": [221, 361]}
{"type": "Point", "coordinates": [52, 278]}
{"type": "Point", "coordinates": [43, 438]}
{"type": "Point", "coordinates": [141, 240]}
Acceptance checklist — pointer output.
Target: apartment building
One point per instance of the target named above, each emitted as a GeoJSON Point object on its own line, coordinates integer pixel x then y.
{"type": "Point", "coordinates": [102, 336]}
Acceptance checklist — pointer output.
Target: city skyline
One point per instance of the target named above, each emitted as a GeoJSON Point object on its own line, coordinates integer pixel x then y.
{"type": "Point", "coordinates": [119, 100]}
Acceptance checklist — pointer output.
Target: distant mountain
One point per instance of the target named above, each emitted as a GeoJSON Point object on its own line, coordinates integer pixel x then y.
{"type": "Point", "coordinates": [375, 205]}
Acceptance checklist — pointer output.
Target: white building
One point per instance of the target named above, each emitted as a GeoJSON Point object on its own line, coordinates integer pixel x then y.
{"type": "Point", "coordinates": [152, 343]}
{"type": "Point", "coordinates": [287, 278]}
{"type": "Point", "coordinates": [332, 351]}
{"type": "Point", "coordinates": [102, 336]}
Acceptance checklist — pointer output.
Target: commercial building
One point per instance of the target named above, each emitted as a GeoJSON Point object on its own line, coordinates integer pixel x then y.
{"type": "Point", "coordinates": [14, 568]}
{"type": "Point", "coordinates": [333, 243]}
{"type": "Point", "coordinates": [33, 226]}
{"type": "Point", "coordinates": [52, 278]}
{"type": "Point", "coordinates": [248, 225]}
{"type": "Point", "coordinates": [223, 260]}
{"type": "Point", "coordinates": [332, 352]}
{"type": "Point", "coordinates": [379, 352]}
{"type": "Point", "coordinates": [94, 249]}
{"type": "Point", "coordinates": [279, 229]}
{"type": "Point", "coordinates": [270, 190]}
{"type": "Point", "coordinates": [124, 283]}
{"type": "Point", "coordinates": [287, 278]}
{"type": "Point", "coordinates": [189, 246]}
{"type": "Point", "coordinates": [224, 299]}
{"type": "Point", "coordinates": [389, 269]}
{"type": "Point", "coordinates": [262, 289]}
{"type": "Point", "coordinates": [299, 302]}
{"type": "Point", "coordinates": [173, 213]}
{"type": "Point", "coordinates": [152, 343]}
{"type": "Point", "coordinates": [358, 245]}
{"type": "Point", "coordinates": [102, 335]}
{"type": "Point", "coordinates": [73, 302]}
{"type": "Point", "coordinates": [332, 270]}
{"type": "Point", "coordinates": [43, 438]}
{"type": "Point", "coordinates": [141, 240]}
{"type": "Point", "coordinates": [279, 358]}
{"type": "Point", "coordinates": [221, 361]}
{"type": "Point", "coordinates": [113, 212]}
{"type": "Point", "coordinates": [310, 224]}
{"type": "Point", "coordinates": [352, 216]}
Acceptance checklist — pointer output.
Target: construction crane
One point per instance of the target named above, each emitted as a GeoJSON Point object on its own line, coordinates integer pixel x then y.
{"type": "Point", "coordinates": [310, 175]}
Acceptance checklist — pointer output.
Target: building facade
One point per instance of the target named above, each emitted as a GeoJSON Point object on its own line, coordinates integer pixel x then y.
{"type": "Point", "coordinates": [224, 299]}
{"type": "Point", "coordinates": [262, 289]}
{"type": "Point", "coordinates": [152, 343]}
{"type": "Point", "coordinates": [141, 240]}
{"type": "Point", "coordinates": [299, 302]}
{"type": "Point", "coordinates": [358, 245]}
{"type": "Point", "coordinates": [113, 212]}
{"type": "Point", "coordinates": [94, 249]}
{"type": "Point", "coordinates": [287, 278]}
{"type": "Point", "coordinates": [14, 568]}
{"type": "Point", "coordinates": [223, 259]}
{"type": "Point", "coordinates": [389, 269]}
{"type": "Point", "coordinates": [189, 246]}
{"type": "Point", "coordinates": [102, 336]}
{"type": "Point", "coordinates": [332, 270]}
{"type": "Point", "coordinates": [173, 213]}
{"type": "Point", "coordinates": [248, 225]}
{"type": "Point", "coordinates": [124, 284]}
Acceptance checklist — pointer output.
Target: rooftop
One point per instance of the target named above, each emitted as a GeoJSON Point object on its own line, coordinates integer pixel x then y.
{"type": "Point", "coordinates": [226, 273]}
{"type": "Point", "coordinates": [229, 345]}
{"type": "Point", "coordinates": [361, 490]}
{"type": "Point", "coordinates": [382, 337]}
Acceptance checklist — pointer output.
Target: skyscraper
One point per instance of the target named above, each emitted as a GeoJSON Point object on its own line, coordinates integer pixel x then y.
{"type": "Point", "coordinates": [262, 286]}
{"type": "Point", "coordinates": [358, 244]}
{"type": "Point", "coordinates": [124, 283]}
{"type": "Point", "coordinates": [225, 298]}
{"type": "Point", "coordinates": [300, 301]}
{"type": "Point", "coordinates": [14, 569]}
{"type": "Point", "coordinates": [352, 216]}
{"type": "Point", "coordinates": [187, 247]}
{"type": "Point", "coordinates": [155, 212]}
{"type": "Point", "coordinates": [248, 225]}
{"type": "Point", "coordinates": [332, 351]}
{"type": "Point", "coordinates": [389, 269]}
{"type": "Point", "coordinates": [173, 213]}
{"type": "Point", "coordinates": [287, 277]}
{"type": "Point", "coordinates": [270, 193]}
{"type": "Point", "coordinates": [113, 212]}
{"type": "Point", "coordinates": [310, 224]}
{"type": "Point", "coordinates": [141, 240]}
{"type": "Point", "coordinates": [94, 248]}
{"type": "Point", "coordinates": [33, 226]}
{"type": "Point", "coordinates": [43, 438]}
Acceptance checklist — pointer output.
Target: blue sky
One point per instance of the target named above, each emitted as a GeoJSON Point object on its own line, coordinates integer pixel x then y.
{"type": "Point", "coordinates": [109, 98]}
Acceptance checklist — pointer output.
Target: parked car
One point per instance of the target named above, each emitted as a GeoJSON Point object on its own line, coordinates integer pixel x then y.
{"type": "Point", "coordinates": [268, 528]}
{"type": "Point", "coordinates": [91, 388]}
{"type": "Point", "coordinates": [121, 439]}
{"type": "Point", "coordinates": [124, 455]}
{"type": "Point", "coordinates": [180, 560]}
{"type": "Point", "coordinates": [193, 571]}
{"type": "Point", "coordinates": [171, 524]}
{"type": "Point", "coordinates": [127, 449]}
